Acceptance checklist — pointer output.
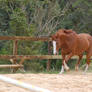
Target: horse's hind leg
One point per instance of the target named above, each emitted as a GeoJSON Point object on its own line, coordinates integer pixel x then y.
{"type": "Point", "coordinates": [77, 65]}
{"type": "Point", "coordinates": [89, 54]}
{"type": "Point", "coordinates": [87, 65]}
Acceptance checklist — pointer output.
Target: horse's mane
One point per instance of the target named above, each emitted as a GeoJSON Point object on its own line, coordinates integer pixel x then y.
{"type": "Point", "coordinates": [68, 31]}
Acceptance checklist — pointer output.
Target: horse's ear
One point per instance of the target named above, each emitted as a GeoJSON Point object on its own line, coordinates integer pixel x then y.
{"type": "Point", "coordinates": [68, 31]}
{"type": "Point", "coordinates": [54, 37]}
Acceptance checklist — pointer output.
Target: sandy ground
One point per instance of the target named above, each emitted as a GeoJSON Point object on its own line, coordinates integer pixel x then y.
{"type": "Point", "coordinates": [70, 82]}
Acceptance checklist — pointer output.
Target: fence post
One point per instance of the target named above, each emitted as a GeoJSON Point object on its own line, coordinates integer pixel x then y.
{"type": "Point", "coordinates": [49, 53]}
{"type": "Point", "coordinates": [15, 49]}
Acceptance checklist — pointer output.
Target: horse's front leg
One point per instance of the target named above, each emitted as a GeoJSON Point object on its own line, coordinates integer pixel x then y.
{"type": "Point", "coordinates": [62, 68]}
{"type": "Point", "coordinates": [66, 60]}
{"type": "Point", "coordinates": [88, 61]}
{"type": "Point", "coordinates": [64, 63]}
{"type": "Point", "coordinates": [77, 65]}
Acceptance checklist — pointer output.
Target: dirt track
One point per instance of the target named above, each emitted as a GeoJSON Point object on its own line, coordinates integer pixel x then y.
{"type": "Point", "coordinates": [54, 82]}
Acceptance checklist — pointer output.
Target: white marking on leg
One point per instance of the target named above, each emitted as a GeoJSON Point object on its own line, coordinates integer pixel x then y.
{"type": "Point", "coordinates": [86, 68]}
{"type": "Point", "coordinates": [66, 66]}
{"type": "Point", "coordinates": [62, 70]}
{"type": "Point", "coordinates": [54, 47]}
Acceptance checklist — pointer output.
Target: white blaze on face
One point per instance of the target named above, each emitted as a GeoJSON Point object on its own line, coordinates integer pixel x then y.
{"type": "Point", "coordinates": [54, 47]}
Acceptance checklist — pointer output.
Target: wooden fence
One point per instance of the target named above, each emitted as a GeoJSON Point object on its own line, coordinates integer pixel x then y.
{"type": "Point", "coordinates": [13, 58]}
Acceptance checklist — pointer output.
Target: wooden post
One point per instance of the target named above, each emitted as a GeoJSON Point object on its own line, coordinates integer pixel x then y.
{"type": "Point", "coordinates": [20, 63]}
{"type": "Point", "coordinates": [49, 53]}
{"type": "Point", "coordinates": [15, 52]}
{"type": "Point", "coordinates": [15, 47]}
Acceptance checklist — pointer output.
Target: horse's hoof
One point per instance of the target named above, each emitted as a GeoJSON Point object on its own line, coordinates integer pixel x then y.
{"type": "Point", "coordinates": [68, 70]}
{"type": "Point", "coordinates": [61, 72]}
{"type": "Point", "coordinates": [76, 68]}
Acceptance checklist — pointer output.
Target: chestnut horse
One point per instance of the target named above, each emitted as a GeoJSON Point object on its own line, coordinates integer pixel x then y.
{"type": "Point", "coordinates": [72, 44]}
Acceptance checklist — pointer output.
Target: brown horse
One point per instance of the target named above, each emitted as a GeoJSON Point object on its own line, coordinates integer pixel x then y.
{"type": "Point", "coordinates": [72, 44]}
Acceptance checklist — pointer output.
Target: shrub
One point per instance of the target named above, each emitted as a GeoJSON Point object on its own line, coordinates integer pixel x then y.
{"type": "Point", "coordinates": [34, 66]}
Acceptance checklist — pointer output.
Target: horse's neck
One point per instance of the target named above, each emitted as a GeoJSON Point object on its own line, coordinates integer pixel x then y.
{"type": "Point", "coordinates": [70, 44]}
{"type": "Point", "coordinates": [65, 49]}
{"type": "Point", "coordinates": [65, 46]}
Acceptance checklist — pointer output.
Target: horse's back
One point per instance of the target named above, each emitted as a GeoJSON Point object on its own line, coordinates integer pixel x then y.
{"type": "Point", "coordinates": [85, 36]}
{"type": "Point", "coordinates": [84, 41]}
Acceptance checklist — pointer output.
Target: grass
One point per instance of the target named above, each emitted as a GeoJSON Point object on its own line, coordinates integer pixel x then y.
{"type": "Point", "coordinates": [8, 71]}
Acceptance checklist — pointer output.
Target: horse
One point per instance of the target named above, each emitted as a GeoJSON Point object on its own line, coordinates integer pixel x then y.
{"type": "Point", "coordinates": [72, 44]}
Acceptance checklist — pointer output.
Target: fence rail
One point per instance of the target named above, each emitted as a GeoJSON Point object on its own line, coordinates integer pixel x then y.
{"type": "Point", "coordinates": [15, 55]}
{"type": "Point", "coordinates": [35, 57]}
{"type": "Point", "coordinates": [25, 38]}
{"type": "Point", "coordinates": [11, 66]}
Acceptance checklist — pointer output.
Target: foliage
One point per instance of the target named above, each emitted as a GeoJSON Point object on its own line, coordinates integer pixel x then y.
{"type": "Point", "coordinates": [34, 66]}
{"type": "Point", "coordinates": [41, 18]}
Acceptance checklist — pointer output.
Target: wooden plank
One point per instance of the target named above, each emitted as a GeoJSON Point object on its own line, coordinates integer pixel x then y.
{"type": "Point", "coordinates": [11, 66]}
{"type": "Point", "coordinates": [24, 38]}
{"type": "Point", "coordinates": [15, 47]}
{"type": "Point", "coordinates": [49, 53]}
{"type": "Point", "coordinates": [35, 57]}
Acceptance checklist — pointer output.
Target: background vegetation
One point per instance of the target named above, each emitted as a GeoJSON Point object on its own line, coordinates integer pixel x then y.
{"type": "Point", "coordinates": [41, 18]}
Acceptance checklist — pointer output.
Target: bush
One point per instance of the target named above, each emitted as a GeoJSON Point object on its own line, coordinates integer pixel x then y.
{"type": "Point", "coordinates": [34, 66]}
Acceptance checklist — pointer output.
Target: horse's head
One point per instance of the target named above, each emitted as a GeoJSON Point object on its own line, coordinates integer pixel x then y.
{"type": "Point", "coordinates": [56, 41]}
{"type": "Point", "coordinates": [60, 38]}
